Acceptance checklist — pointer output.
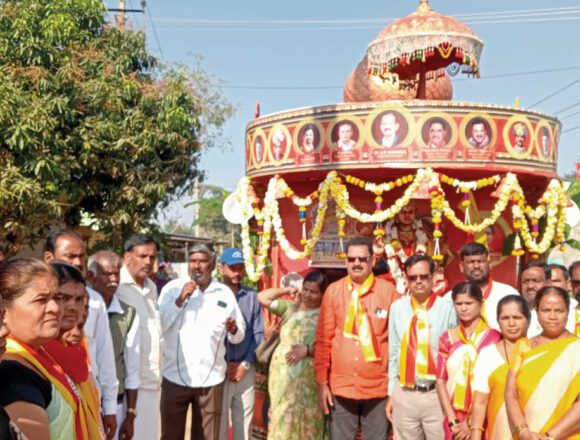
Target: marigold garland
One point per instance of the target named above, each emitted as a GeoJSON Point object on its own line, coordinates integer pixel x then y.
{"type": "Point", "coordinates": [552, 205]}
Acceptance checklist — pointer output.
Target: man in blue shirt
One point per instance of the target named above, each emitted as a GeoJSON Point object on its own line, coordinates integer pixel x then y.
{"type": "Point", "coordinates": [417, 321]}
{"type": "Point", "coordinates": [239, 391]}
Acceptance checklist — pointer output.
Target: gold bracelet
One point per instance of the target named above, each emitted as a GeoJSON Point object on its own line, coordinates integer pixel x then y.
{"type": "Point", "coordinates": [476, 428]}
{"type": "Point", "coordinates": [519, 429]}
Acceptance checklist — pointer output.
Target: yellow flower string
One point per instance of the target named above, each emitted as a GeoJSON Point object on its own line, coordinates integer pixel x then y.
{"type": "Point", "coordinates": [552, 205]}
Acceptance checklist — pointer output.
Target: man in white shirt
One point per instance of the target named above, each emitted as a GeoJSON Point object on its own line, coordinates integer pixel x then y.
{"type": "Point", "coordinates": [197, 313]}
{"type": "Point", "coordinates": [70, 247]}
{"type": "Point", "coordinates": [476, 268]}
{"type": "Point", "coordinates": [138, 291]}
{"type": "Point", "coordinates": [345, 141]}
{"type": "Point", "coordinates": [437, 133]}
{"type": "Point", "coordinates": [103, 274]}
{"type": "Point", "coordinates": [389, 130]}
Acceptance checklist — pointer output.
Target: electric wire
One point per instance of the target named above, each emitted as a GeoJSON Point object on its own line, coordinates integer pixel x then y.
{"type": "Point", "coordinates": [576, 104]}
{"type": "Point", "coordinates": [560, 90]}
{"type": "Point", "coordinates": [154, 32]}
{"type": "Point", "coordinates": [346, 28]}
{"type": "Point", "coordinates": [569, 115]}
{"type": "Point", "coordinates": [571, 129]}
{"type": "Point", "coordinates": [541, 13]}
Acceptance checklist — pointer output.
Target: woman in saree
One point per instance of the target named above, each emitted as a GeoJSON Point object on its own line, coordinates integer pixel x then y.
{"type": "Point", "coordinates": [8, 430]}
{"type": "Point", "coordinates": [292, 385]}
{"type": "Point", "coordinates": [543, 386]}
{"type": "Point", "coordinates": [459, 348]}
{"type": "Point", "coordinates": [74, 359]}
{"type": "Point", "coordinates": [34, 390]}
{"type": "Point", "coordinates": [490, 374]}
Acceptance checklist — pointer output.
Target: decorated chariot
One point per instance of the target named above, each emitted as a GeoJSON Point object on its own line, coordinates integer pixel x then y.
{"type": "Point", "coordinates": [401, 162]}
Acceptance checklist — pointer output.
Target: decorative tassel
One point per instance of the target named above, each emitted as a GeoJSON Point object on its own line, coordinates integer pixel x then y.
{"type": "Point", "coordinates": [341, 234]}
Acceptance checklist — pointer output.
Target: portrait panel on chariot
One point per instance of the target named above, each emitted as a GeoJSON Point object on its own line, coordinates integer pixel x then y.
{"type": "Point", "coordinates": [479, 133]}
{"type": "Point", "coordinates": [345, 135]}
{"type": "Point", "coordinates": [436, 133]}
{"type": "Point", "coordinates": [279, 143]}
{"type": "Point", "coordinates": [518, 136]}
{"type": "Point", "coordinates": [308, 138]}
{"type": "Point", "coordinates": [259, 148]}
{"type": "Point", "coordinates": [544, 141]}
{"type": "Point", "coordinates": [389, 129]}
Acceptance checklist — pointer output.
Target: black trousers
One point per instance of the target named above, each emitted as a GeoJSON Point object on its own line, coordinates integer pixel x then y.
{"type": "Point", "coordinates": [347, 414]}
{"type": "Point", "coordinates": [206, 407]}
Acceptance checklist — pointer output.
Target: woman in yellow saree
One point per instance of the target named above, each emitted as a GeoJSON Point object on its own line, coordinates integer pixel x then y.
{"type": "Point", "coordinates": [488, 413]}
{"type": "Point", "coordinates": [543, 387]}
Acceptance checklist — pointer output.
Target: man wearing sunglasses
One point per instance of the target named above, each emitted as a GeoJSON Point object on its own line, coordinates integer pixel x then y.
{"type": "Point", "coordinates": [351, 348]}
{"type": "Point", "coordinates": [416, 323]}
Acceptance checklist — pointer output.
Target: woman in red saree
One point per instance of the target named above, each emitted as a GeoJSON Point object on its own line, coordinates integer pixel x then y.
{"type": "Point", "coordinates": [458, 350]}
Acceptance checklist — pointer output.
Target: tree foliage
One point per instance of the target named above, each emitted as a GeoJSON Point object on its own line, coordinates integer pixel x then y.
{"type": "Point", "coordinates": [91, 126]}
{"type": "Point", "coordinates": [210, 218]}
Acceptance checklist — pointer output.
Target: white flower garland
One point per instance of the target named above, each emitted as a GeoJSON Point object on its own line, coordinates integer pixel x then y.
{"type": "Point", "coordinates": [553, 204]}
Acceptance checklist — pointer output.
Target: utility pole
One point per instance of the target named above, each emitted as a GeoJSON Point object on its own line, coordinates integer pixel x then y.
{"type": "Point", "coordinates": [122, 10]}
{"type": "Point", "coordinates": [197, 227]}
{"type": "Point", "coordinates": [121, 15]}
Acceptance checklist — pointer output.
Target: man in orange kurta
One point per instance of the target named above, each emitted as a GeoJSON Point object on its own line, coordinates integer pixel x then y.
{"type": "Point", "coordinates": [351, 347]}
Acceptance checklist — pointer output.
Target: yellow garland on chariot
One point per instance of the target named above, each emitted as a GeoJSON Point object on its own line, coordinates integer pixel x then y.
{"type": "Point", "coordinates": [552, 204]}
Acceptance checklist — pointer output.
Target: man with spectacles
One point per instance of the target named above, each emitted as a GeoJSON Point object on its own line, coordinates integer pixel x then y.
{"type": "Point", "coordinates": [351, 348]}
{"type": "Point", "coordinates": [417, 322]}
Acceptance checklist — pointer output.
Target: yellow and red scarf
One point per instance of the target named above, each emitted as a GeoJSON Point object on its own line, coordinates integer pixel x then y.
{"type": "Point", "coordinates": [463, 394]}
{"type": "Point", "coordinates": [74, 361]}
{"type": "Point", "coordinates": [416, 359]}
{"type": "Point", "coordinates": [486, 294]}
{"type": "Point", "coordinates": [54, 373]}
{"type": "Point", "coordinates": [357, 324]}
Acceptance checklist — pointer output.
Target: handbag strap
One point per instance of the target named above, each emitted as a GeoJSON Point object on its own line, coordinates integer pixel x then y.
{"type": "Point", "coordinates": [289, 313]}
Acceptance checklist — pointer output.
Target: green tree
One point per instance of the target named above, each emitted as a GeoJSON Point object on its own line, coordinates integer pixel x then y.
{"type": "Point", "coordinates": [91, 125]}
{"type": "Point", "coordinates": [210, 219]}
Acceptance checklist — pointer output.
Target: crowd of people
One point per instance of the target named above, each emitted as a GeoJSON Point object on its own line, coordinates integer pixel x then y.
{"type": "Point", "coordinates": [91, 350]}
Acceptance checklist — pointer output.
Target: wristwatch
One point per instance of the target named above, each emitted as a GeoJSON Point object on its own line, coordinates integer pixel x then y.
{"type": "Point", "coordinates": [132, 411]}
{"type": "Point", "coordinates": [246, 365]}
{"type": "Point", "coordinates": [453, 422]}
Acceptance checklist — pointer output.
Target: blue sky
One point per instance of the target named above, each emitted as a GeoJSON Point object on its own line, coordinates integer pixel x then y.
{"type": "Point", "coordinates": [302, 56]}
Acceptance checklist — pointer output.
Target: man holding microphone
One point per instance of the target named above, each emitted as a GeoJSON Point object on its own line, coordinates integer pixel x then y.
{"type": "Point", "coordinates": [197, 314]}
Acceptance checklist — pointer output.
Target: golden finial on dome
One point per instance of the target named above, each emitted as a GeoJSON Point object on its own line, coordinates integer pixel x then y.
{"type": "Point", "coordinates": [424, 6]}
